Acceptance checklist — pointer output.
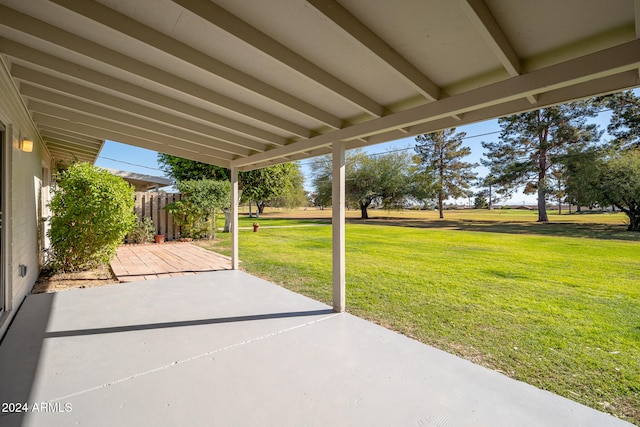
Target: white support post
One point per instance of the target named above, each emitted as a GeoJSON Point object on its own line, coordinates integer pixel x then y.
{"type": "Point", "coordinates": [337, 225]}
{"type": "Point", "coordinates": [234, 218]}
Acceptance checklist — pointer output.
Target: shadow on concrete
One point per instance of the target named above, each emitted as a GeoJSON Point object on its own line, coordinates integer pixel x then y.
{"type": "Point", "coordinates": [20, 354]}
{"type": "Point", "coordinates": [200, 322]}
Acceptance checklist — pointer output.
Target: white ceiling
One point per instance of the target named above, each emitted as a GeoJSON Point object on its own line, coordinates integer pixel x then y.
{"type": "Point", "coordinates": [248, 83]}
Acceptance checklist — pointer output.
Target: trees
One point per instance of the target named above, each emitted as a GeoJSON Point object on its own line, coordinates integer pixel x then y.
{"type": "Point", "coordinates": [607, 177]}
{"type": "Point", "coordinates": [321, 179]}
{"type": "Point", "coordinates": [267, 184]}
{"type": "Point", "coordinates": [380, 178]}
{"type": "Point", "coordinates": [625, 119]}
{"type": "Point", "coordinates": [610, 175]}
{"type": "Point", "coordinates": [293, 194]}
{"type": "Point", "coordinates": [480, 200]}
{"type": "Point", "coordinates": [92, 212]}
{"type": "Point", "coordinates": [619, 184]}
{"type": "Point", "coordinates": [439, 157]}
{"type": "Point", "coordinates": [581, 176]}
{"type": "Point", "coordinates": [283, 182]}
{"type": "Point", "coordinates": [532, 143]}
{"type": "Point", "coordinates": [181, 169]}
{"type": "Point", "coordinates": [197, 211]}
{"type": "Point", "coordinates": [488, 184]}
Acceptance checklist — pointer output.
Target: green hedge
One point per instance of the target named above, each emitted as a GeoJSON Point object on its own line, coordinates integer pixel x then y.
{"type": "Point", "coordinates": [92, 213]}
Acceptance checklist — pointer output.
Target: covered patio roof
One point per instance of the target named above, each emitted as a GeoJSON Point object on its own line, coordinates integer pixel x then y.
{"type": "Point", "coordinates": [246, 84]}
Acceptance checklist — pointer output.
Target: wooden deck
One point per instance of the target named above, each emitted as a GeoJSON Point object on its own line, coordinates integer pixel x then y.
{"type": "Point", "coordinates": [154, 261]}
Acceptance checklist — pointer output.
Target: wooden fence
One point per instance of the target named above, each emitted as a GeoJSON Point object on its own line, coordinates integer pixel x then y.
{"type": "Point", "coordinates": [151, 205]}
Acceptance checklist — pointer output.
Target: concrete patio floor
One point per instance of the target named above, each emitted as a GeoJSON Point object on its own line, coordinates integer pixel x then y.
{"type": "Point", "coordinates": [228, 349]}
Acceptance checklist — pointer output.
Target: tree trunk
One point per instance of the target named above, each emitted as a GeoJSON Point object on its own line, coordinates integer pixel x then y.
{"type": "Point", "coordinates": [542, 174]}
{"type": "Point", "coordinates": [250, 215]}
{"type": "Point", "coordinates": [489, 207]}
{"type": "Point", "coordinates": [363, 211]}
{"type": "Point", "coordinates": [227, 220]}
{"type": "Point", "coordinates": [542, 205]}
{"type": "Point", "coordinates": [634, 217]}
{"type": "Point", "coordinates": [261, 206]}
{"type": "Point", "coordinates": [440, 178]}
{"type": "Point", "coordinates": [542, 184]}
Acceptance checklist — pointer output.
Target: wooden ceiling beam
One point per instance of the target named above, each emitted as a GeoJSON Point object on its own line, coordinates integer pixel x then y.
{"type": "Point", "coordinates": [219, 17]}
{"type": "Point", "coordinates": [343, 19]}
{"type": "Point", "coordinates": [51, 34]}
{"type": "Point", "coordinates": [125, 25]}
{"type": "Point", "coordinates": [131, 91]}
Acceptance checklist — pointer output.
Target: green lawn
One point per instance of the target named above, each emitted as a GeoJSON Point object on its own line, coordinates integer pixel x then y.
{"type": "Point", "coordinates": [556, 305]}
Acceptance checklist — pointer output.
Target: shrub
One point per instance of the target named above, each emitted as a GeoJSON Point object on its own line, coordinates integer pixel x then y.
{"type": "Point", "coordinates": [144, 231]}
{"type": "Point", "coordinates": [198, 210]}
{"type": "Point", "coordinates": [92, 211]}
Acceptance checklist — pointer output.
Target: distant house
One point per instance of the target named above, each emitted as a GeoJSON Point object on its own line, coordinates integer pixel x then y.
{"type": "Point", "coordinates": [142, 182]}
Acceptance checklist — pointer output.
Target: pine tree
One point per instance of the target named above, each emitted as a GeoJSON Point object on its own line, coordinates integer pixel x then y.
{"type": "Point", "coordinates": [531, 144]}
{"type": "Point", "coordinates": [439, 157]}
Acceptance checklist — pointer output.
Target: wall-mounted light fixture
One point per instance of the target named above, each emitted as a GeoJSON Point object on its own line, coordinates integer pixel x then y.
{"type": "Point", "coordinates": [26, 145]}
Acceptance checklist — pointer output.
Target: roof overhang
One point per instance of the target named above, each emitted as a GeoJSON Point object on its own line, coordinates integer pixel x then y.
{"type": "Point", "coordinates": [254, 83]}
{"type": "Point", "coordinates": [142, 182]}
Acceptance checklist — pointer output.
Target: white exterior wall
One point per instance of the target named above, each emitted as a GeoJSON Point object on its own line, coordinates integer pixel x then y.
{"type": "Point", "coordinates": [24, 172]}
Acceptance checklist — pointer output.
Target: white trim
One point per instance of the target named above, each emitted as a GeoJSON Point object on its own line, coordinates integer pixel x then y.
{"type": "Point", "coordinates": [7, 247]}
{"type": "Point", "coordinates": [5, 165]}
{"type": "Point", "coordinates": [338, 225]}
{"type": "Point", "coordinates": [234, 218]}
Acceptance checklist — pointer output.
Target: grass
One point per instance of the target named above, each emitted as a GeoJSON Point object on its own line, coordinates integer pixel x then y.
{"type": "Point", "coordinates": [557, 308]}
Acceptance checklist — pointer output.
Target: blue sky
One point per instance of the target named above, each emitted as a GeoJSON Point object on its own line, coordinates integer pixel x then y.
{"type": "Point", "coordinates": [115, 155]}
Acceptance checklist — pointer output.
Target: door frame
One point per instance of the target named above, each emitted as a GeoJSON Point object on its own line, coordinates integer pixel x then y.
{"type": "Point", "coordinates": [6, 302]}
{"type": "Point", "coordinates": [3, 219]}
